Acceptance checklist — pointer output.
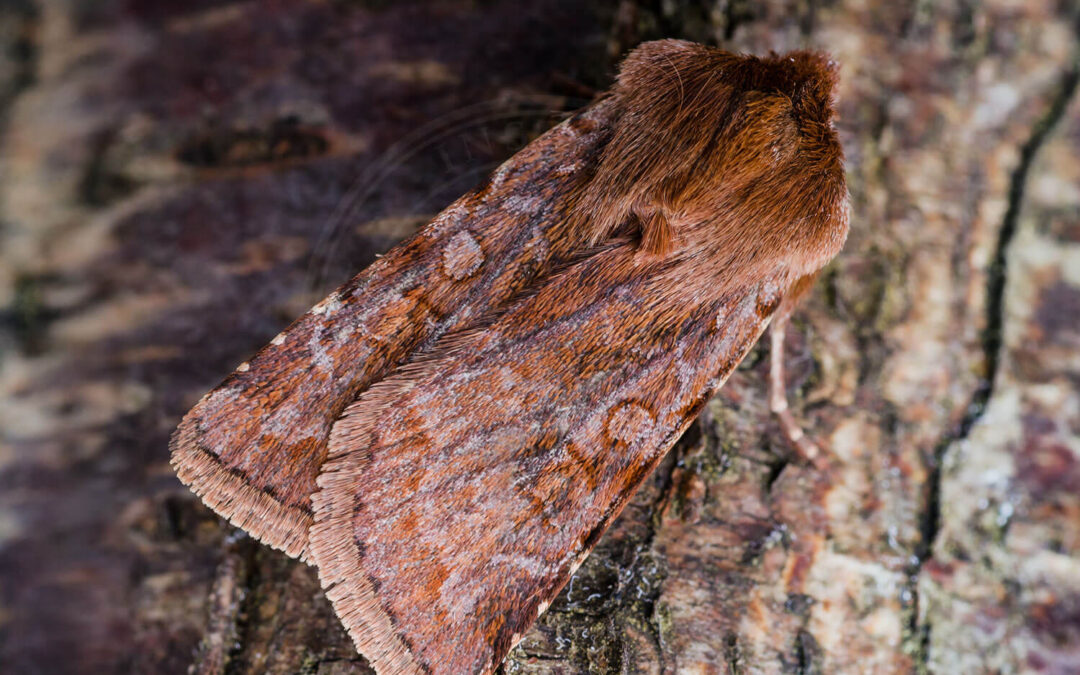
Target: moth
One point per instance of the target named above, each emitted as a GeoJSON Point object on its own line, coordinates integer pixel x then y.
{"type": "Point", "coordinates": [447, 435]}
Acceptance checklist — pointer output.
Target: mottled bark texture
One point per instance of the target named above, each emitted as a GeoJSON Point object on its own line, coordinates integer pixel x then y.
{"type": "Point", "coordinates": [178, 180]}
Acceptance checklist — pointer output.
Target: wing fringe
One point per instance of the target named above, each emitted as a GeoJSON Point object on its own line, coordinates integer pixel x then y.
{"type": "Point", "coordinates": [278, 525]}
{"type": "Point", "coordinates": [340, 570]}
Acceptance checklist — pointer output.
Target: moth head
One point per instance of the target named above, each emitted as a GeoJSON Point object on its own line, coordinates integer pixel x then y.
{"type": "Point", "coordinates": [703, 132]}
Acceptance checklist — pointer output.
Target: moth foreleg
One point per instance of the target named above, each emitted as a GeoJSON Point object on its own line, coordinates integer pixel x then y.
{"type": "Point", "coordinates": [806, 448]}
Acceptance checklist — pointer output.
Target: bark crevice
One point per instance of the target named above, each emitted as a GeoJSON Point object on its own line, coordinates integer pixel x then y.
{"type": "Point", "coordinates": [990, 342]}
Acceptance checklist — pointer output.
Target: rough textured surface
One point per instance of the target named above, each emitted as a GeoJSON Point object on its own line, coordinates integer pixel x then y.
{"type": "Point", "coordinates": [179, 180]}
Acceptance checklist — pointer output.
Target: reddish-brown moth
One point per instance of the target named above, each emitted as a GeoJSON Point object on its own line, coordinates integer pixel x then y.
{"type": "Point", "coordinates": [447, 435]}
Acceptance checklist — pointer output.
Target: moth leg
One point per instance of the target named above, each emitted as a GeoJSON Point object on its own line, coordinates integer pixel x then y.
{"type": "Point", "coordinates": [778, 403]}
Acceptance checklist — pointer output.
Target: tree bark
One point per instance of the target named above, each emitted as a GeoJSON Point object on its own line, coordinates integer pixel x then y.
{"type": "Point", "coordinates": [179, 180]}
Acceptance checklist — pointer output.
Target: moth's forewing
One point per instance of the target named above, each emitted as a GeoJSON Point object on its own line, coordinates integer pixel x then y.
{"type": "Point", "coordinates": [253, 446]}
{"type": "Point", "coordinates": [461, 493]}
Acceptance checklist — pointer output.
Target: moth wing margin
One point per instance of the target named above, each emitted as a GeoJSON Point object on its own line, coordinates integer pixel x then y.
{"type": "Point", "coordinates": [280, 526]}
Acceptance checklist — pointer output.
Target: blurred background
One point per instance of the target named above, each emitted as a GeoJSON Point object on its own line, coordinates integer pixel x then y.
{"type": "Point", "coordinates": [179, 180]}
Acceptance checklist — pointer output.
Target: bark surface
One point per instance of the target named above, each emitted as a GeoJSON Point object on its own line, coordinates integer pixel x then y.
{"type": "Point", "coordinates": [180, 180]}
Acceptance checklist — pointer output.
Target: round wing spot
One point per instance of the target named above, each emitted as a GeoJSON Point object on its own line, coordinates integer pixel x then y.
{"type": "Point", "coordinates": [629, 422]}
{"type": "Point", "coordinates": [462, 256]}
